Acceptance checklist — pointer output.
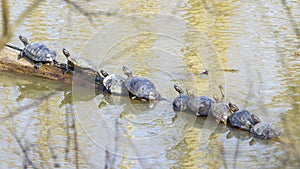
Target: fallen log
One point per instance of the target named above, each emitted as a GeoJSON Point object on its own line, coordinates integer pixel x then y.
{"type": "Point", "coordinates": [10, 63]}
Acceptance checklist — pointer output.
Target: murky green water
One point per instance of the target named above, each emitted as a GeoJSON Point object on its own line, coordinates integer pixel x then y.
{"type": "Point", "coordinates": [47, 124]}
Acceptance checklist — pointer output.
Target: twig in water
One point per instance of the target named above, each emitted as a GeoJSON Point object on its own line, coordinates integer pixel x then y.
{"type": "Point", "coordinates": [24, 151]}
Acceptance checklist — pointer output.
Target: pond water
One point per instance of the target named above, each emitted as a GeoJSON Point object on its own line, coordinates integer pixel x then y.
{"type": "Point", "coordinates": [251, 48]}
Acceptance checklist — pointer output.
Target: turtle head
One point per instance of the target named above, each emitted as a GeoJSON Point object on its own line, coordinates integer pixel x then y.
{"type": "Point", "coordinates": [178, 89]}
{"type": "Point", "coordinates": [255, 118]}
{"type": "Point", "coordinates": [127, 72]}
{"type": "Point", "coordinates": [233, 108]}
{"type": "Point", "coordinates": [66, 52]}
{"type": "Point", "coordinates": [103, 73]}
{"type": "Point", "coordinates": [24, 40]}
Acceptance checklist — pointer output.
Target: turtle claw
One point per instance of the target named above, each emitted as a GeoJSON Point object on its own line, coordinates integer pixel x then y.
{"type": "Point", "coordinates": [20, 55]}
{"type": "Point", "coordinates": [64, 71]}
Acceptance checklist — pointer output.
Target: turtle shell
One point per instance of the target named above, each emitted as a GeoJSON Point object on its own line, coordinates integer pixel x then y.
{"type": "Point", "coordinates": [264, 131]}
{"type": "Point", "coordinates": [115, 84]}
{"type": "Point", "coordinates": [39, 52]}
{"type": "Point", "coordinates": [242, 119]}
{"type": "Point", "coordinates": [180, 103]}
{"type": "Point", "coordinates": [201, 105]}
{"type": "Point", "coordinates": [81, 62]}
{"type": "Point", "coordinates": [142, 88]}
{"type": "Point", "coordinates": [221, 111]}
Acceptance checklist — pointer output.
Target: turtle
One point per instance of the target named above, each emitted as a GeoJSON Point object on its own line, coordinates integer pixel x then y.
{"type": "Point", "coordinates": [140, 87]}
{"type": "Point", "coordinates": [180, 103]}
{"type": "Point", "coordinates": [222, 110]}
{"type": "Point", "coordinates": [114, 84]}
{"type": "Point", "coordinates": [264, 131]}
{"type": "Point", "coordinates": [200, 104]}
{"type": "Point", "coordinates": [243, 119]}
{"type": "Point", "coordinates": [79, 63]}
{"type": "Point", "coordinates": [36, 52]}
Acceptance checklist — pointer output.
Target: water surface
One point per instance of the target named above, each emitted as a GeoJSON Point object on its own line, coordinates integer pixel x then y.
{"type": "Point", "coordinates": [53, 125]}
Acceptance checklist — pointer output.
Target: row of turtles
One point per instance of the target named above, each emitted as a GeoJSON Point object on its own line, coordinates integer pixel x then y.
{"type": "Point", "coordinates": [142, 88]}
{"type": "Point", "coordinates": [227, 113]}
{"type": "Point", "coordinates": [40, 54]}
{"type": "Point", "coordinates": [138, 87]}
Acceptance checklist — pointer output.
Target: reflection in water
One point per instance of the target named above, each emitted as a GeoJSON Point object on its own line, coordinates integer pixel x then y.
{"type": "Point", "coordinates": [69, 128]}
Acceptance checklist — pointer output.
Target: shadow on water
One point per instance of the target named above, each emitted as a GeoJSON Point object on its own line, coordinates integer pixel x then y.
{"type": "Point", "coordinates": [51, 121]}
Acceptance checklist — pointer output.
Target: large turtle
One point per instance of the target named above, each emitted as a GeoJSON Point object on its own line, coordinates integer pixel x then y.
{"type": "Point", "coordinates": [35, 51]}
{"type": "Point", "coordinates": [140, 87]}
{"type": "Point", "coordinates": [80, 63]}
{"type": "Point", "coordinates": [264, 131]}
{"type": "Point", "coordinates": [243, 119]}
{"type": "Point", "coordinates": [221, 110]}
{"type": "Point", "coordinates": [180, 103]}
{"type": "Point", "coordinates": [114, 84]}
{"type": "Point", "coordinates": [200, 104]}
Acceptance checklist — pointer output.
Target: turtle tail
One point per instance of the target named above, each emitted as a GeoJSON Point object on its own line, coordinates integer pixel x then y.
{"type": "Point", "coordinates": [15, 48]}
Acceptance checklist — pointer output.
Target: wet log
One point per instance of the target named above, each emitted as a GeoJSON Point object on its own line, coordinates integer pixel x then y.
{"type": "Point", "coordinates": [10, 63]}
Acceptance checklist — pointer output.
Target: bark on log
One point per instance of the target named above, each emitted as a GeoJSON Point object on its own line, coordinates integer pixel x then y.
{"type": "Point", "coordinates": [9, 62]}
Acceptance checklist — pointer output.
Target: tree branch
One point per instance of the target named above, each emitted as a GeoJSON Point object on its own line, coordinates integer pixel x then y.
{"type": "Point", "coordinates": [5, 16]}
{"type": "Point", "coordinates": [9, 30]}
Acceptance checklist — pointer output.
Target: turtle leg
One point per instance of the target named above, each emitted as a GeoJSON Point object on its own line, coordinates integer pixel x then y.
{"type": "Point", "coordinates": [66, 68]}
{"type": "Point", "coordinates": [38, 65]}
{"type": "Point", "coordinates": [21, 55]}
{"type": "Point", "coordinates": [55, 62]}
{"type": "Point", "coordinates": [152, 96]}
{"type": "Point", "coordinates": [248, 125]}
{"type": "Point", "coordinates": [70, 68]}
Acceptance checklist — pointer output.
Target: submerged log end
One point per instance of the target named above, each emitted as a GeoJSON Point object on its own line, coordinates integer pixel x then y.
{"type": "Point", "coordinates": [9, 62]}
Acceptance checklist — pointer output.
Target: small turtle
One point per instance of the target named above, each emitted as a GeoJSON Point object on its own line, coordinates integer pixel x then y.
{"type": "Point", "coordinates": [243, 119]}
{"type": "Point", "coordinates": [264, 131]}
{"type": "Point", "coordinates": [200, 104]}
{"type": "Point", "coordinates": [180, 103]}
{"type": "Point", "coordinates": [221, 110]}
{"type": "Point", "coordinates": [80, 63]}
{"type": "Point", "coordinates": [35, 51]}
{"type": "Point", "coordinates": [140, 87]}
{"type": "Point", "coordinates": [114, 84]}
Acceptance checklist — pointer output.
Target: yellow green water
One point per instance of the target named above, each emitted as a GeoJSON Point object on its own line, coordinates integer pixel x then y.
{"type": "Point", "coordinates": [168, 42]}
